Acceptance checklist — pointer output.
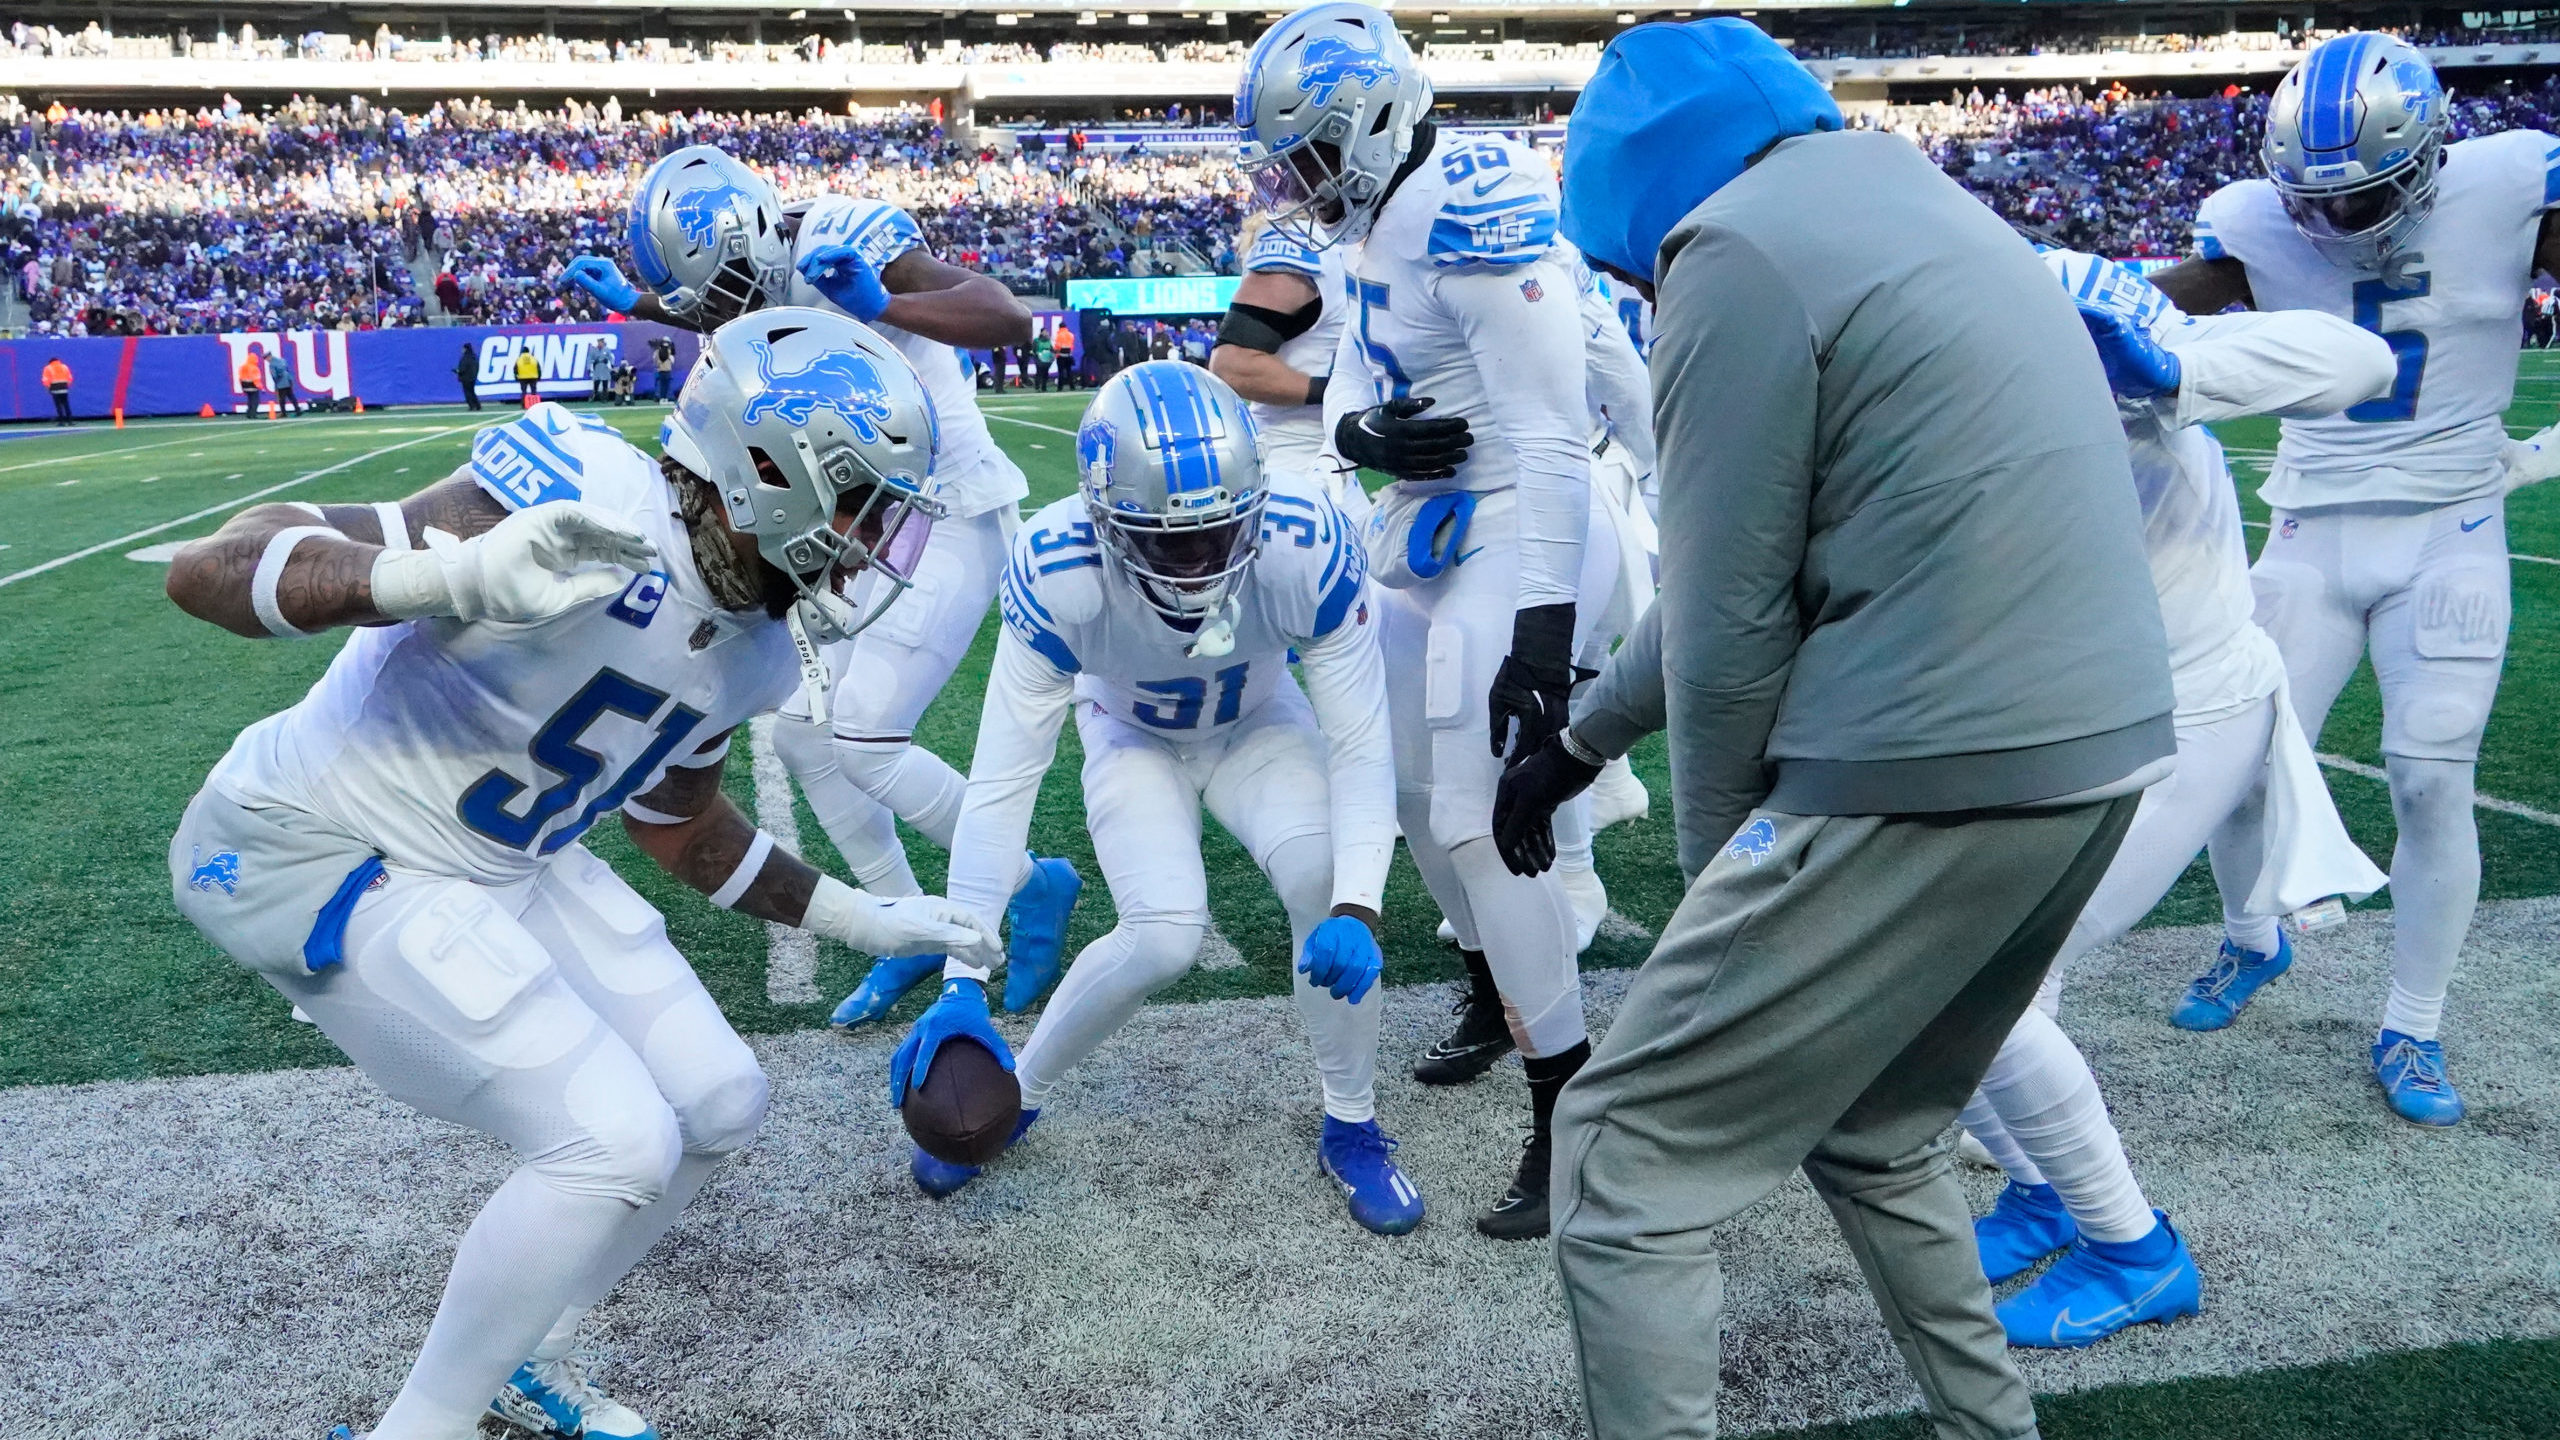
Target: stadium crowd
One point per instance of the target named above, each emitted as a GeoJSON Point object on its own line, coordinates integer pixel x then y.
{"type": "Point", "coordinates": [357, 215]}
{"type": "Point", "coordinates": [313, 216]}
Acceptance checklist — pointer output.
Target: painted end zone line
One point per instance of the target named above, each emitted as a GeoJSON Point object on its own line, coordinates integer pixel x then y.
{"type": "Point", "coordinates": [253, 496]}
{"type": "Point", "coordinates": [791, 966]}
{"type": "Point", "coordinates": [2478, 801]}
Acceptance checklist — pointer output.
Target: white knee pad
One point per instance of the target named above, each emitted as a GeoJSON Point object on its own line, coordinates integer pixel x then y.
{"type": "Point", "coordinates": [917, 785]}
{"type": "Point", "coordinates": [1161, 949]}
{"type": "Point", "coordinates": [725, 1118]}
{"type": "Point", "coordinates": [630, 1142]}
{"type": "Point", "coordinates": [803, 746]}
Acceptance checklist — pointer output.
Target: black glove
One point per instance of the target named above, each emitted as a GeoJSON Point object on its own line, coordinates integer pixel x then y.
{"type": "Point", "coordinates": [1535, 683]}
{"type": "Point", "coordinates": [1388, 437]}
{"type": "Point", "coordinates": [1525, 803]}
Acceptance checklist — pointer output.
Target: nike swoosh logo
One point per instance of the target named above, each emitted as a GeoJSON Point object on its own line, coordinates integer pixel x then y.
{"type": "Point", "coordinates": [1464, 556]}
{"type": "Point", "coordinates": [2066, 1322]}
{"type": "Point", "coordinates": [1485, 187]}
{"type": "Point", "coordinates": [2470, 525]}
{"type": "Point", "coordinates": [1445, 1051]}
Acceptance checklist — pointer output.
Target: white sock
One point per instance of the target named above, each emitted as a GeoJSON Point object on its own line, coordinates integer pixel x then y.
{"type": "Point", "coordinates": [2435, 885]}
{"type": "Point", "coordinates": [2048, 1102]}
{"type": "Point", "coordinates": [1526, 924]}
{"type": "Point", "coordinates": [1109, 980]}
{"type": "Point", "coordinates": [2254, 933]}
{"type": "Point", "coordinates": [513, 1277]}
{"type": "Point", "coordinates": [1983, 1122]}
{"type": "Point", "coordinates": [1573, 833]}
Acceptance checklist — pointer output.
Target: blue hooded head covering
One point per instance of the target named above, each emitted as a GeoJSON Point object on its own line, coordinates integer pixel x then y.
{"type": "Point", "coordinates": [1675, 112]}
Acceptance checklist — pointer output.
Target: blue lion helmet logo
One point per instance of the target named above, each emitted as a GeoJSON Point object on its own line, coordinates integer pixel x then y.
{"type": "Point", "coordinates": [1754, 842]}
{"type": "Point", "coordinates": [1097, 445]}
{"type": "Point", "coordinates": [1330, 62]}
{"type": "Point", "coordinates": [222, 872]}
{"type": "Point", "coordinates": [698, 212]}
{"type": "Point", "coordinates": [842, 380]}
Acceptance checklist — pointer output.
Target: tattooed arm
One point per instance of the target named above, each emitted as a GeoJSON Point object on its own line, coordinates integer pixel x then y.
{"type": "Point", "coordinates": [328, 579]}
{"type": "Point", "coordinates": [696, 834]}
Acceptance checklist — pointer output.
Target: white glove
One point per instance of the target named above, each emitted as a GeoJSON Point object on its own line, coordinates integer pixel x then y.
{"type": "Point", "coordinates": [2532, 460]}
{"type": "Point", "coordinates": [530, 566]}
{"type": "Point", "coordinates": [909, 925]}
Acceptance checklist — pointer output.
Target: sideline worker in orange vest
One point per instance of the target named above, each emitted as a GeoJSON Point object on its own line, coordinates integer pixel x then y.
{"type": "Point", "coordinates": [252, 377]}
{"type": "Point", "coordinates": [57, 381]}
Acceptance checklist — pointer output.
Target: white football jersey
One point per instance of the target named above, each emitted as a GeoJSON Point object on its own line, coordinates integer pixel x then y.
{"type": "Point", "coordinates": [1634, 312]}
{"type": "Point", "coordinates": [1293, 436]}
{"type": "Point", "coordinates": [1621, 389]}
{"type": "Point", "coordinates": [2449, 304]}
{"type": "Point", "coordinates": [1461, 292]}
{"type": "Point", "coordinates": [477, 750]}
{"type": "Point", "coordinates": [975, 476]}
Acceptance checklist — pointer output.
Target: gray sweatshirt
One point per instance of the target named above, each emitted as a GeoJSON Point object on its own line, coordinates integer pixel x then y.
{"type": "Point", "coordinates": [1902, 559]}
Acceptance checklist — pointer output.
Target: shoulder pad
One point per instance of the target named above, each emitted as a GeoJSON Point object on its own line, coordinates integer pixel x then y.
{"type": "Point", "coordinates": [548, 453]}
{"type": "Point", "coordinates": [1497, 207]}
{"type": "Point", "coordinates": [2228, 220]}
{"type": "Point", "coordinates": [882, 231]}
{"type": "Point", "coordinates": [1273, 250]}
{"type": "Point", "coordinates": [1053, 584]}
{"type": "Point", "coordinates": [1322, 563]}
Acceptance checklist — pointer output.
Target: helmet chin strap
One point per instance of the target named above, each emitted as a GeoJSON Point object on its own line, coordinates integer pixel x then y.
{"type": "Point", "coordinates": [1216, 636]}
{"type": "Point", "coordinates": [815, 620]}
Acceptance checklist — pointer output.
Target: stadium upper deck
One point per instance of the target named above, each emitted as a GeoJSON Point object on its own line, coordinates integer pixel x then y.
{"type": "Point", "coordinates": [1068, 60]}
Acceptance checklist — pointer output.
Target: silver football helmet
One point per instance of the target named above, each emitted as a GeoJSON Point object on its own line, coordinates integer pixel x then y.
{"type": "Point", "coordinates": [1328, 106]}
{"type": "Point", "coordinates": [819, 439]}
{"type": "Point", "coordinates": [2354, 136]}
{"type": "Point", "coordinates": [1166, 462]}
{"type": "Point", "coordinates": [706, 235]}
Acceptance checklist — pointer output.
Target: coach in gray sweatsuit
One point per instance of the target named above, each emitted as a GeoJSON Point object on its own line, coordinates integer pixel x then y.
{"type": "Point", "coordinates": [1912, 668]}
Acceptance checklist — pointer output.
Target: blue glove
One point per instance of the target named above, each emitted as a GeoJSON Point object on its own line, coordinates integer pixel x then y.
{"type": "Point", "coordinates": [2137, 368]}
{"type": "Point", "coordinates": [1342, 958]}
{"type": "Point", "coordinates": [841, 274]}
{"type": "Point", "coordinates": [603, 279]}
{"type": "Point", "coordinates": [961, 1014]}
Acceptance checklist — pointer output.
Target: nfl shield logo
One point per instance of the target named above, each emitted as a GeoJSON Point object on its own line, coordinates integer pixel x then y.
{"type": "Point", "coordinates": [1532, 291]}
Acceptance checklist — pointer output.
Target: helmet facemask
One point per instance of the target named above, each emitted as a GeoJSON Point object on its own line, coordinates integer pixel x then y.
{"type": "Point", "coordinates": [873, 543]}
{"type": "Point", "coordinates": [2359, 225]}
{"type": "Point", "coordinates": [1186, 568]}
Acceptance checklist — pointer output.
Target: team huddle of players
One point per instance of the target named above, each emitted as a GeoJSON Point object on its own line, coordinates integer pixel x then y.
{"type": "Point", "coordinates": [567, 627]}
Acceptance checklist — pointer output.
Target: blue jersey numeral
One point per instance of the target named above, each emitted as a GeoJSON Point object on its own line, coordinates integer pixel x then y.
{"type": "Point", "coordinates": [1189, 694]}
{"type": "Point", "coordinates": [2409, 347]}
{"type": "Point", "coordinates": [1457, 165]}
{"type": "Point", "coordinates": [1373, 298]}
{"type": "Point", "coordinates": [555, 748]}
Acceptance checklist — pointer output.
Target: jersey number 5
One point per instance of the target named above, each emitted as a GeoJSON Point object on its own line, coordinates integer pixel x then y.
{"type": "Point", "coordinates": [2409, 347]}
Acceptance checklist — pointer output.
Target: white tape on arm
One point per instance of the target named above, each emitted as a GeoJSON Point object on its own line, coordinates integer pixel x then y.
{"type": "Point", "coordinates": [395, 525]}
{"type": "Point", "coordinates": [262, 584]}
{"type": "Point", "coordinates": [734, 889]}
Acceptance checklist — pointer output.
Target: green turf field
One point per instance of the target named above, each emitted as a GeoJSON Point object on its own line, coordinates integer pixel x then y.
{"type": "Point", "coordinates": [113, 705]}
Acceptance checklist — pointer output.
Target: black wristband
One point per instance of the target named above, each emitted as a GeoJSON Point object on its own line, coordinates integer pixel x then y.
{"type": "Point", "coordinates": [1315, 388]}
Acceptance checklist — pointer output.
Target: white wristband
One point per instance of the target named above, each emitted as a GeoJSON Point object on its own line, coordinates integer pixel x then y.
{"type": "Point", "coordinates": [395, 525]}
{"type": "Point", "coordinates": [735, 887]}
{"type": "Point", "coordinates": [831, 909]}
{"type": "Point", "coordinates": [411, 583]}
{"type": "Point", "coordinates": [262, 584]}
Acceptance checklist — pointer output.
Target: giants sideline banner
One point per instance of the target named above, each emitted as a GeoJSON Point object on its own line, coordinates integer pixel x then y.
{"type": "Point", "coordinates": [181, 374]}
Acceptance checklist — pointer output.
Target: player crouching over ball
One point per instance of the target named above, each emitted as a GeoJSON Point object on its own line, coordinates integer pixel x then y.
{"type": "Point", "coordinates": [560, 630]}
{"type": "Point", "coordinates": [1160, 604]}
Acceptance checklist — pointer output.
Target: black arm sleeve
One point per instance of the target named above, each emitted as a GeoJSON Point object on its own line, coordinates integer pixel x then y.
{"type": "Point", "coordinates": [1257, 327]}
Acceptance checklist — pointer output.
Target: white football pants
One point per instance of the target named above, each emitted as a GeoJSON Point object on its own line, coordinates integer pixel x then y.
{"type": "Point", "coordinates": [861, 768]}
{"type": "Point", "coordinates": [1264, 780]}
{"type": "Point", "coordinates": [1444, 639]}
{"type": "Point", "coordinates": [2425, 590]}
{"type": "Point", "coordinates": [2038, 1110]}
{"type": "Point", "coordinates": [553, 1015]}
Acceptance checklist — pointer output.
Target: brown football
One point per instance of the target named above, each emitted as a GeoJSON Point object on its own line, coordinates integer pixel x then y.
{"type": "Point", "coordinates": [965, 1111]}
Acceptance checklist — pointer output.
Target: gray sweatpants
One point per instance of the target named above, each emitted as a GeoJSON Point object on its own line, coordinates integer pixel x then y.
{"type": "Point", "coordinates": [1826, 996]}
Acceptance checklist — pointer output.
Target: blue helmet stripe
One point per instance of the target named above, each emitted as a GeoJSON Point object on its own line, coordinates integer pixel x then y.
{"type": "Point", "coordinates": [2329, 95]}
{"type": "Point", "coordinates": [1188, 463]}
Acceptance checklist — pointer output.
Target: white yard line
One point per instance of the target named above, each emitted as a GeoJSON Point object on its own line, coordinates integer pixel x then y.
{"type": "Point", "coordinates": [1615, 926]}
{"type": "Point", "coordinates": [1033, 424]}
{"type": "Point", "coordinates": [791, 965]}
{"type": "Point", "coordinates": [147, 532]}
{"type": "Point", "coordinates": [1217, 952]}
{"type": "Point", "coordinates": [2478, 801]}
{"type": "Point", "coordinates": [2528, 559]}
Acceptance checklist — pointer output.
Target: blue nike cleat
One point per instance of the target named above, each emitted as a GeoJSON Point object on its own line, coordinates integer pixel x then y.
{"type": "Point", "coordinates": [891, 977]}
{"type": "Point", "coordinates": [2025, 1225]}
{"type": "Point", "coordinates": [1356, 1157]}
{"type": "Point", "coordinates": [554, 1398]}
{"type": "Point", "coordinates": [2099, 1289]}
{"type": "Point", "coordinates": [939, 1178]}
{"type": "Point", "coordinates": [2216, 997]}
{"type": "Point", "coordinates": [2411, 1073]}
{"type": "Point", "coordinates": [1036, 931]}
{"type": "Point", "coordinates": [341, 1432]}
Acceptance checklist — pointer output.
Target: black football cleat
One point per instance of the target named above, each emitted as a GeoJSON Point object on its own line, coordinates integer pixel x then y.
{"type": "Point", "coordinates": [1521, 1213]}
{"type": "Point", "coordinates": [1482, 1035]}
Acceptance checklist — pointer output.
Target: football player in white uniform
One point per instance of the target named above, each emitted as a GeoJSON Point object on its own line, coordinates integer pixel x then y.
{"type": "Point", "coordinates": [1275, 348]}
{"type": "Point", "coordinates": [562, 630]}
{"type": "Point", "coordinates": [2389, 525]}
{"type": "Point", "coordinates": [712, 239]}
{"type": "Point", "coordinates": [1161, 605]}
{"type": "Point", "coordinates": [2038, 1109]}
{"type": "Point", "coordinates": [1460, 372]}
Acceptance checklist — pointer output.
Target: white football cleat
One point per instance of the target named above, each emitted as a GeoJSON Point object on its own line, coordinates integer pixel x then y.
{"type": "Point", "coordinates": [555, 1398]}
{"type": "Point", "coordinates": [1590, 903]}
{"type": "Point", "coordinates": [1447, 932]}
{"type": "Point", "coordinates": [1617, 797]}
